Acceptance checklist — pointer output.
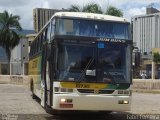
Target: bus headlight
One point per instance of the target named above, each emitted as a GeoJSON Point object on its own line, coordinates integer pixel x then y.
{"type": "Point", "coordinates": [58, 89]}
{"type": "Point", "coordinates": [124, 92]}
{"type": "Point", "coordinates": [63, 100]}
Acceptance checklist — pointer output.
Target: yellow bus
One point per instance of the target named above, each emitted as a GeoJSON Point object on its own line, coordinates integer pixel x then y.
{"type": "Point", "coordinates": [82, 61]}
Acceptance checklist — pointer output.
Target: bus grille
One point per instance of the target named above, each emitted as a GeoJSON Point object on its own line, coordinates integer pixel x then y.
{"type": "Point", "coordinates": [95, 91]}
{"type": "Point", "coordinates": [86, 90]}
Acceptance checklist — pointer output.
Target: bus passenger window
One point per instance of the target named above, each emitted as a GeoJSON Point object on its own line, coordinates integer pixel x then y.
{"type": "Point", "coordinates": [52, 29]}
{"type": "Point", "coordinates": [41, 41]}
{"type": "Point", "coordinates": [68, 26]}
{"type": "Point", "coordinates": [48, 33]}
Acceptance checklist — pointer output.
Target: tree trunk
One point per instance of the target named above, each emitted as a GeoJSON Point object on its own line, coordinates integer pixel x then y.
{"type": "Point", "coordinates": [10, 68]}
{"type": "Point", "coordinates": [8, 51]}
{"type": "Point", "coordinates": [153, 70]}
{"type": "Point", "coordinates": [0, 69]}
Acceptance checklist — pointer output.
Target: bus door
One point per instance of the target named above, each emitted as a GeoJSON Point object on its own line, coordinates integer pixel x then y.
{"type": "Point", "coordinates": [48, 84]}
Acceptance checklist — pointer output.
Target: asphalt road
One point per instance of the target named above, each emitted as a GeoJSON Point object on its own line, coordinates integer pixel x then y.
{"type": "Point", "coordinates": [16, 103]}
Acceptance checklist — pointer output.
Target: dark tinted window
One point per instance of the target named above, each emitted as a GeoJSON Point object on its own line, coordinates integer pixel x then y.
{"type": "Point", "coordinates": [92, 28]}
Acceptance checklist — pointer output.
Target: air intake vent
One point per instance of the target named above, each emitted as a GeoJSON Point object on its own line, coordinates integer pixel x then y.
{"type": "Point", "coordinates": [95, 91]}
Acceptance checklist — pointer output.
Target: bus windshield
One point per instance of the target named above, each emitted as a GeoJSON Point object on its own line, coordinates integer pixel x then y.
{"type": "Point", "coordinates": [92, 28]}
{"type": "Point", "coordinates": [91, 63]}
{"type": "Point", "coordinates": [112, 62]}
{"type": "Point", "coordinates": [73, 60]}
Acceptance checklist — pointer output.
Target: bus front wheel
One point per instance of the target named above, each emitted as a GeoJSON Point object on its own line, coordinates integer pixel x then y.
{"type": "Point", "coordinates": [32, 89]}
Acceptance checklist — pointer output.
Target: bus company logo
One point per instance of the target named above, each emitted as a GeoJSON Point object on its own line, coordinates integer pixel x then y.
{"type": "Point", "coordinates": [111, 40]}
{"type": "Point", "coordinates": [117, 40]}
{"type": "Point", "coordinates": [103, 39]}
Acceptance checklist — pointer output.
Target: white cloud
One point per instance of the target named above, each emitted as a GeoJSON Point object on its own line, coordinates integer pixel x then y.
{"type": "Point", "coordinates": [137, 11]}
{"type": "Point", "coordinates": [134, 11]}
{"type": "Point", "coordinates": [13, 3]}
{"type": "Point", "coordinates": [24, 8]}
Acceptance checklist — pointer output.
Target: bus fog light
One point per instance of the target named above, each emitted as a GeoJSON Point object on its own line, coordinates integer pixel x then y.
{"type": "Point", "coordinates": [123, 102]}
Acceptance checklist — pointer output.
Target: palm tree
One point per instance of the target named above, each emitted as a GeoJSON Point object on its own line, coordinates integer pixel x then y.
{"type": "Point", "coordinates": [156, 59]}
{"type": "Point", "coordinates": [95, 8]}
{"type": "Point", "coordinates": [111, 10]}
{"type": "Point", "coordinates": [8, 37]}
{"type": "Point", "coordinates": [74, 8]}
{"type": "Point", "coordinates": [90, 8]}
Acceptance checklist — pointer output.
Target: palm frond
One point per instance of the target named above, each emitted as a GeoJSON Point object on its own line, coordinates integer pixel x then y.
{"type": "Point", "coordinates": [8, 37]}
{"type": "Point", "coordinates": [74, 8]}
{"type": "Point", "coordinates": [92, 8]}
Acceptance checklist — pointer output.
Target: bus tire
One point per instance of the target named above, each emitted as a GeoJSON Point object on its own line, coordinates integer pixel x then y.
{"type": "Point", "coordinates": [34, 96]}
{"type": "Point", "coordinates": [48, 109]}
{"type": "Point", "coordinates": [32, 89]}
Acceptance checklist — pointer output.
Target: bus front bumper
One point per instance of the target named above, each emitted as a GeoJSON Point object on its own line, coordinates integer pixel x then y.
{"type": "Point", "coordinates": [91, 102]}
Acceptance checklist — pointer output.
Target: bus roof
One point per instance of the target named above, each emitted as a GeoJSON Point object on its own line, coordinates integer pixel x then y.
{"type": "Point", "coordinates": [84, 15]}
{"type": "Point", "coordinates": [93, 16]}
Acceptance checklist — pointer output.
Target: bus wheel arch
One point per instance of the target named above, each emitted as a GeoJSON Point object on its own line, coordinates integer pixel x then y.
{"type": "Point", "coordinates": [31, 85]}
{"type": "Point", "coordinates": [32, 88]}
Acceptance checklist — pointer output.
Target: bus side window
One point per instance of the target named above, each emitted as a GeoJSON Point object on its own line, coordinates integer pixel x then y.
{"type": "Point", "coordinates": [45, 35]}
{"type": "Point", "coordinates": [48, 33]}
{"type": "Point", "coordinates": [34, 47]}
{"type": "Point", "coordinates": [41, 41]}
{"type": "Point", "coordinates": [52, 29]}
{"type": "Point", "coordinates": [31, 50]}
{"type": "Point", "coordinates": [38, 41]}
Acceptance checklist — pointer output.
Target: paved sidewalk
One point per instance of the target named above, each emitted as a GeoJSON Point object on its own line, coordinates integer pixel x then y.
{"type": "Point", "coordinates": [16, 99]}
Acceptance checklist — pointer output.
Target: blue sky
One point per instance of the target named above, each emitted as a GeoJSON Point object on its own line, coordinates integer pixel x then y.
{"type": "Point", "coordinates": [24, 8]}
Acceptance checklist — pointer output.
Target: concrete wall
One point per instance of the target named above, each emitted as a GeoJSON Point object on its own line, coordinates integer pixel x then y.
{"type": "Point", "coordinates": [4, 79]}
{"type": "Point", "coordinates": [146, 84]}
{"type": "Point", "coordinates": [14, 79]}
{"type": "Point", "coordinates": [137, 83]}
